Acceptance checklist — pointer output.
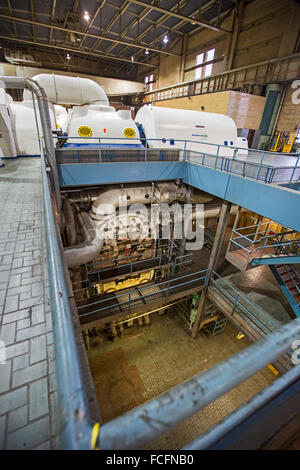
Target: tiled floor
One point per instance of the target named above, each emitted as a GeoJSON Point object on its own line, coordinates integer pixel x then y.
{"type": "Point", "coordinates": [27, 379]}
{"type": "Point", "coordinates": [161, 357]}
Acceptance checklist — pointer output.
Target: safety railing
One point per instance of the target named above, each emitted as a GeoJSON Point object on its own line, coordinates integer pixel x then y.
{"type": "Point", "coordinates": [242, 305]}
{"type": "Point", "coordinates": [75, 423]}
{"type": "Point", "coordinates": [134, 296]}
{"type": "Point", "coordinates": [166, 253]}
{"type": "Point", "coordinates": [255, 242]}
{"type": "Point", "coordinates": [264, 166]}
{"type": "Point", "coordinates": [270, 71]}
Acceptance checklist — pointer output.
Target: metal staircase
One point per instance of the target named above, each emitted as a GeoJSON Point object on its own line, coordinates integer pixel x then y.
{"type": "Point", "coordinates": [258, 245]}
{"type": "Point", "coordinates": [289, 282]}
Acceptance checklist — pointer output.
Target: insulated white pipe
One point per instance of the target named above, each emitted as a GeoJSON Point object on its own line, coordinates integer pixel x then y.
{"type": "Point", "coordinates": [61, 89]}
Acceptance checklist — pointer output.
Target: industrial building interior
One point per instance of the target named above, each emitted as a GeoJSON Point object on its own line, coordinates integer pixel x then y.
{"type": "Point", "coordinates": [150, 225]}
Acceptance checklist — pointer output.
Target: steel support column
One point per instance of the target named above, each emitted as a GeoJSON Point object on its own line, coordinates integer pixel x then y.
{"type": "Point", "coordinates": [223, 220]}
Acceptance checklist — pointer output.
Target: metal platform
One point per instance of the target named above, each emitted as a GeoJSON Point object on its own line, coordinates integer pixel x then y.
{"type": "Point", "coordinates": [101, 309]}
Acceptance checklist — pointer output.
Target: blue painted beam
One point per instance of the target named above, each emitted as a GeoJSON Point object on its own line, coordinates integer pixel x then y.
{"type": "Point", "coordinates": [275, 260]}
{"type": "Point", "coordinates": [127, 172]}
{"type": "Point", "coordinates": [273, 201]}
{"type": "Point", "coordinates": [276, 202]}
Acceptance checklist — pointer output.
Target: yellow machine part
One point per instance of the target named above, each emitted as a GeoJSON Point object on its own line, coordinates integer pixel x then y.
{"type": "Point", "coordinates": [113, 286]}
{"type": "Point", "coordinates": [272, 369]}
{"type": "Point", "coordinates": [284, 141]}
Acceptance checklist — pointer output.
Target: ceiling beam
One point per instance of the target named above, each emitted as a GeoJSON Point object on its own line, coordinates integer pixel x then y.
{"type": "Point", "coordinates": [101, 4]}
{"type": "Point", "coordinates": [181, 17]}
{"type": "Point", "coordinates": [52, 19]}
{"type": "Point", "coordinates": [197, 13]}
{"type": "Point", "coordinates": [159, 22]}
{"type": "Point", "coordinates": [222, 16]}
{"type": "Point", "coordinates": [11, 13]}
{"type": "Point", "coordinates": [67, 48]}
{"type": "Point", "coordinates": [174, 28]}
{"type": "Point", "coordinates": [111, 23]}
{"type": "Point", "coordinates": [142, 17]}
{"type": "Point", "coordinates": [95, 36]}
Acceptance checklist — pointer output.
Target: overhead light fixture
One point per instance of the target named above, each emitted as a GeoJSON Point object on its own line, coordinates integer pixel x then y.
{"type": "Point", "coordinates": [68, 57]}
{"type": "Point", "coordinates": [86, 16]}
{"type": "Point", "coordinates": [193, 21]}
{"type": "Point", "coordinates": [146, 51]}
{"type": "Point", "coordinates": [132, 58]}
{"type": "Point", "coordinates": [165, 39]}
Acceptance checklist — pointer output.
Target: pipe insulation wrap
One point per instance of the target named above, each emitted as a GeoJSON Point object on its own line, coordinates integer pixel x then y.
{"type": "Point", "coordinates": [66, 90]}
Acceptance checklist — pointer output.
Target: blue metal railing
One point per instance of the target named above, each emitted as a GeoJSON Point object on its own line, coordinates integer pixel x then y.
{"type": "Point", "coordinates": [264, 243]}
{"type": "Point", "coordinates": [265, 166]}
{"type": "Point", "coordinates": [75, 424]}
{"type": "Point", "coordinates": [162, 289]}
{"type": "Point", "coordinates": [241, 303]}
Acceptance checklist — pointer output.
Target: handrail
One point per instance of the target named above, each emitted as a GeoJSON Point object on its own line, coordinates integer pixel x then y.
{"type": "Point", "coordinates": [146, 286]}
{"type": "Point", "coordinates": [75, 424]}
{"type": "Point", "coordinates": [236, 301]}
{"type": "Point", "coordinates": [230, 162]}
{"type": "Point", "coordinates": [214, 434]}
{"type": "Point", "coordinates": [136, 428]}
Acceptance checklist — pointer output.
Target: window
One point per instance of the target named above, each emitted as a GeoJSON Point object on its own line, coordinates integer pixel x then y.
{"type": "Point", "coordinates": [207, 70]}
{"type": "Point", "coordinates": [209, 56]}
{"type": "Point", "coordinates": [149, 82]}
{"type": "Point", "coordinates": [199, 60]}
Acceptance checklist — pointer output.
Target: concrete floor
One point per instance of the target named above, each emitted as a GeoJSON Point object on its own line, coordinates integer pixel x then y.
{"type": "Point", "coordinates": [148, 361]}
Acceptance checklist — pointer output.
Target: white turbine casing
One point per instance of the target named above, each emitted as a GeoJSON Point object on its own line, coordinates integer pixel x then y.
{"type": "Point", "coordinates": [7, 141]}
{"type": "Point", "coordinates": [24, 127]}
{"type": "Point", "coordinates": [182, 124]}
{"type": "Point", "coordinates": [242, 144]}
{"type": "Point", "coordinates": [61, 116]}
{"type": "Point", "coordinates": [75, 91]}
{"type": "Point", "coordinates": [104, 121]}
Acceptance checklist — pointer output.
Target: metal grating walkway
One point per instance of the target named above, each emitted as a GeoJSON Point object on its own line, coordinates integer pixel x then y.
{"type": "Point", "coordinates": [28, 397]}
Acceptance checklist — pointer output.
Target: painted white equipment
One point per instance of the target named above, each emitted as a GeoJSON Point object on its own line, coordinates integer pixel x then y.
{"type": "Point", "coordinates": [91, 115]}
{"type": "Point", "coordinates": [61, 116]}
{"type": "Point", "coordinates": [25, 128]}
{"type": "Point", "coordinates": [96, 120]}
{"type": "Point", "coordinates": [180, 124]}
{"type": "Point", "coordinates": [242, 144]}
{"type": "Point", "coordinates": [7, 142]}
{"type": "Point", "coordinates": [77, 91]}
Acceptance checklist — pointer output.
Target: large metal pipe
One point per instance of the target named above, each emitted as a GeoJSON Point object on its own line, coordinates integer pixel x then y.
{"type": "Point", "coordinates": [137, 428]}
{"type": "Point", "coordinates": [169, 193]}
{"type": "Point", "coordinates": [69, 221]}
{"type": "Point", "coordinates": [25, 82]}
{"type": "Point", "coordinates": [90, 248]}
